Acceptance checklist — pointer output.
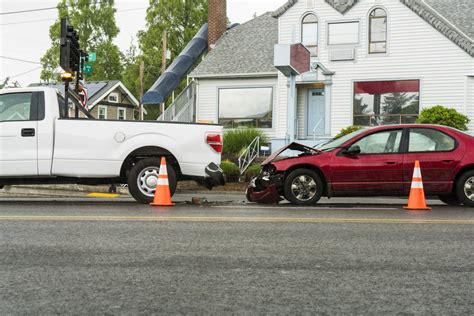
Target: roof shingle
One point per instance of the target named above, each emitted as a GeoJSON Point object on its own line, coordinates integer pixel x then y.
{"type": "Point", "coordinates": [244, 50]}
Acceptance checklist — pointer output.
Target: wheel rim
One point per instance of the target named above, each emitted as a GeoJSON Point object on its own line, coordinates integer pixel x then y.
{"type": "Point", "coordinates": [147, 180]}
{"type": "Point", "coordinates": [304, 188]}
{"type": "Point", "coordinates": [469, 188]}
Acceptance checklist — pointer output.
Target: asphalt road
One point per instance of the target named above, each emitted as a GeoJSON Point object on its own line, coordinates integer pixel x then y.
{"type": "Point", "coordinates": [87, 256]}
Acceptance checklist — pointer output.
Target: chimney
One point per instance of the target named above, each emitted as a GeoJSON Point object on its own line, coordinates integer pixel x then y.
{"type": "Point", "coordinates": [217, 18]}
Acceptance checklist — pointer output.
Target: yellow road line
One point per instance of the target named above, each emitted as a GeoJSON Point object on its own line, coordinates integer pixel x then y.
{"type": "Point", "coordinates": [104, 195]}
{"type": "Point", "coordinates": [235, 219]}
{"type": "Point", "coordinates": [304, 208]}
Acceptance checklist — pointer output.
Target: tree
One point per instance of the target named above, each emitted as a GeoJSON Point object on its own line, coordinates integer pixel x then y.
{"type": "Point", "coordinates": [95, 22]}
{"type": "Point", "coordinates": [442, 115]}
{"type": "Point", "coordinates": [181, 19]}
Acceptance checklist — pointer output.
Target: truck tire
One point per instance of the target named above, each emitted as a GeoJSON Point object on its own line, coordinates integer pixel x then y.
{"type": "Point", "coordinates": [143, 178]}
{"type": "Point", "coordinates": [303, 187]}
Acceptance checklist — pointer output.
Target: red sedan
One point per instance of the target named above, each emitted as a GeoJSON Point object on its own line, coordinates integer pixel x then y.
{"type": "Point", "coordinates": [375, 161]}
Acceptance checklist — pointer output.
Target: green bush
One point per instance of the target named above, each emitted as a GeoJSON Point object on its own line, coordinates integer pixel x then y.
{"type": "Point", "coordinates": [237, 140]}
{"type": "Point", "coordinates": [348, 130]}
{"type": "Point", "coordinates": [231, 170]}
{"type": "Point", "coordinates": [252, 171]}
{"type": "Point", "coordinates": [442, 115]}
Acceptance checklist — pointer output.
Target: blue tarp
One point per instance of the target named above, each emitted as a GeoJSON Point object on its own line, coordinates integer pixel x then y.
{"type": "Point", "coordinates": [180, 67]}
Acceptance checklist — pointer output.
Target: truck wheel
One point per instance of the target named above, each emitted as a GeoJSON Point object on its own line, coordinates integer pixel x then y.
{"type": "Point", "coordinates": [143, 178]}
{"type": "Point", "coordinates": [465, 188]}
{"type": "Point", "coordinates": [303, 187]}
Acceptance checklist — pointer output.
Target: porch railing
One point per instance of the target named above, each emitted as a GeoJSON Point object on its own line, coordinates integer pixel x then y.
{"type": "Point", "coordinates": [182, 108]}
{"type": "Point", "coordinates": [249, 155]}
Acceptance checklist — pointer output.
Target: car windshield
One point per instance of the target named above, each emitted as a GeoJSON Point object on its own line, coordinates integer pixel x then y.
{"type": "Point", "coordinates": [337, 142]}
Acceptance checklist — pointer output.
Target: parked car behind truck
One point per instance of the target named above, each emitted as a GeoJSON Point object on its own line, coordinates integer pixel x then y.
{"type": "Point", "coordinates": [372, 162]}
{"type": "Point", "coordinates": [39, 145]}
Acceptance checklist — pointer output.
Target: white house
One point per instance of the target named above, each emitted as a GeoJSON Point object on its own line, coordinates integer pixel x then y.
{"type": "Point", "coordinates": [372, 62]}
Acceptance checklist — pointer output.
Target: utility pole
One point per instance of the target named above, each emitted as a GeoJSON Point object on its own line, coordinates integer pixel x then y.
{"type": "Point", "coordinates": [142, 73]}
{"type": "Point", "coordinates": [163, 62]}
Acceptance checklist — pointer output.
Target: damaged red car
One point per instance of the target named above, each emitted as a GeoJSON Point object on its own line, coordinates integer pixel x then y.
{"type": "Point", "coordinates": [375, 161]}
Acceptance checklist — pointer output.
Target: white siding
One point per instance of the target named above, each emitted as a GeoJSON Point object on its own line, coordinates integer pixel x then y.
{"type": "Point", "coordinates": [415, 51]}
{"type": "Point", "coordinates": [207, 99]}
{"type": "Point", "coordinates": [470, 101]}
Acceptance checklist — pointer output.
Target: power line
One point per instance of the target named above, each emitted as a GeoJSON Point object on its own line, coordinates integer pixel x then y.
{"type": "Point", "coordinates": [22, 60]}
{"type": "Point", "coordinates": [23, 73]}
{"type": "Point", "coordinates": [43, 20]}
{"type": "Point", "coordinates": [31, 21]}
{"type": "Point", "coordinates": [25, 11]}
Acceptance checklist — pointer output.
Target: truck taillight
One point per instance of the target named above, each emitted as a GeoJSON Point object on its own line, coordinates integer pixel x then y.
{"type": "Point", "coordinates": [215, 142]}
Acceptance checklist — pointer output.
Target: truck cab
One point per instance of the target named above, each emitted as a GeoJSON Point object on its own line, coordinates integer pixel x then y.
{"type": "Point", "coordinates": [39, 144]}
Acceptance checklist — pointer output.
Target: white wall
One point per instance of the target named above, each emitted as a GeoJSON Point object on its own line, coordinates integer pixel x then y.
{"type": "Point", "coordinates": [415, 51]}
{"type": "Point", "coordinates": [208, 91]}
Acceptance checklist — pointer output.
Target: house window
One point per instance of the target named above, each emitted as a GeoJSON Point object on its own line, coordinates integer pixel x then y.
{"type": "Point", "coordinates": [378, 31]}
{"type": "Point", "coordinates": [113, 97]}
{"type": "Point", "coordinates": [102, 112]}
{"type": "Point", "coordinates": [121, 113]}
{"type": "Point", "coordinates": [343, 33]}
{"type": "Point", "coordinates": [309, 33]}
{"type": "Point", "coordinates": [249, 107]}
{"type": "Point", "coordinates": [386, 102]}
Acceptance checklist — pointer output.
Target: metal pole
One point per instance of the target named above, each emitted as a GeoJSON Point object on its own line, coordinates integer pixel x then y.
{"type": "Point", "coordinates": [163, 62]}
{"type": "Point", "coordinates": [142, 74]}
{"type": "Point", "coordinates": [66, 98]}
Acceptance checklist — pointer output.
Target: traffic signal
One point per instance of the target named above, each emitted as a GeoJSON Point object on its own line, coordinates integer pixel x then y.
{"type": "Point", "coordinates": [70, 53]}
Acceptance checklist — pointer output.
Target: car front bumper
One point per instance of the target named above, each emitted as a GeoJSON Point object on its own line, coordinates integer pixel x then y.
{"type": "Point", "coordinates": [264, 190]}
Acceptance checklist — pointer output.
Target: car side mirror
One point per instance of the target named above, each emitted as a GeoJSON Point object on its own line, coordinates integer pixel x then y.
{"type": "Point", "coordinates": [351, 151]}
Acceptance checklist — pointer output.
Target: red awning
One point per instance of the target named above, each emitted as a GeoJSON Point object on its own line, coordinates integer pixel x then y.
{"type": "Point", "coordinates": [381, 87]}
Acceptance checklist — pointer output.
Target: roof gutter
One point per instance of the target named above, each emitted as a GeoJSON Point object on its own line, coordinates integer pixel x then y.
{"type": "Point", "coordinates": [238, 75]}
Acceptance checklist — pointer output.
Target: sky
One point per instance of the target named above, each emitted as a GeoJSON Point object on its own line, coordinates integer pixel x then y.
{"type": "Point", "coordinates": [26, 35]}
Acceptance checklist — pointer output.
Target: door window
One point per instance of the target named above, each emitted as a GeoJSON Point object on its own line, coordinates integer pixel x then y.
{"type": "Point", "coordinates": [16, 107]}
{"type": "Point", "coordinates": [429, 140]}
{"type": "Point", "coordinates": [381, 143]}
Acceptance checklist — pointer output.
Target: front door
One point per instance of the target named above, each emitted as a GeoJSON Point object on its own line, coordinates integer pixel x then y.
{"type": "Point", "coordinates": [316, 113]}
{"type": "Point", "coordinates": [18, 134]}
{"type": "Point", "coordinates": [377, 170]}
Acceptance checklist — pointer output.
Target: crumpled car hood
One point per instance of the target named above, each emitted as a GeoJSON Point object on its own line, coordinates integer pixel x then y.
{"type": "Point", "coordinates": [292, 146]}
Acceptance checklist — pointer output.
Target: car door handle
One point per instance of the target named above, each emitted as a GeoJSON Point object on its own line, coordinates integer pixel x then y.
{"type": "Point", "coordinates": [28, 132]}
{"type": "Point", "coordinates": [447, 161]}
{"type": "Point", "coordinates": [391, 162]}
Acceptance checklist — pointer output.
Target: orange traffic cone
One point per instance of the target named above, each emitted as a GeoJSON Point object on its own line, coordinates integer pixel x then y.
{"type": "Point", "coordinates": [162, 192]}
{"type": "Point", "coordinates": [417, 200]}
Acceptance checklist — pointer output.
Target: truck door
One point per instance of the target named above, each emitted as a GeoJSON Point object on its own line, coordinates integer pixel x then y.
{"type": "Point", "coordinates": [19, 115]}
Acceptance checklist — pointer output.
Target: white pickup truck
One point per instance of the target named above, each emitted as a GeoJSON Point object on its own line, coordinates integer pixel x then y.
{"type": "Point", "coordinates": [39, 145]}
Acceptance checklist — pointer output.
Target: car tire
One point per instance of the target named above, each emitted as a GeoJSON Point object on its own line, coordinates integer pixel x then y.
{"type": "Point", "coordinates": [449, 199]}
{"type": "Point", "coordinates": [465, 188]}
{"type": "Point", "coordinates": [303, 187]}
{"type": "Point", "coordinates": [143, 177]}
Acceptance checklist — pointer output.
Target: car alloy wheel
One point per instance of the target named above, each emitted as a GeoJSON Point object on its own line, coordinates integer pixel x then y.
{"type": "Point", "coordinates": [465, 188]}
{"type": "Point", "coordinates": [303, 187]}
{"type": "Point", "coordinates": [147, 180]}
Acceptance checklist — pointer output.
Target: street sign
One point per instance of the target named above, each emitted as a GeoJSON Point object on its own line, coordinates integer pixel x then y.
{"type": "Point", "coordinates": [92, 56]}
{"type": "Point", "coordinates": [87, 68]}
